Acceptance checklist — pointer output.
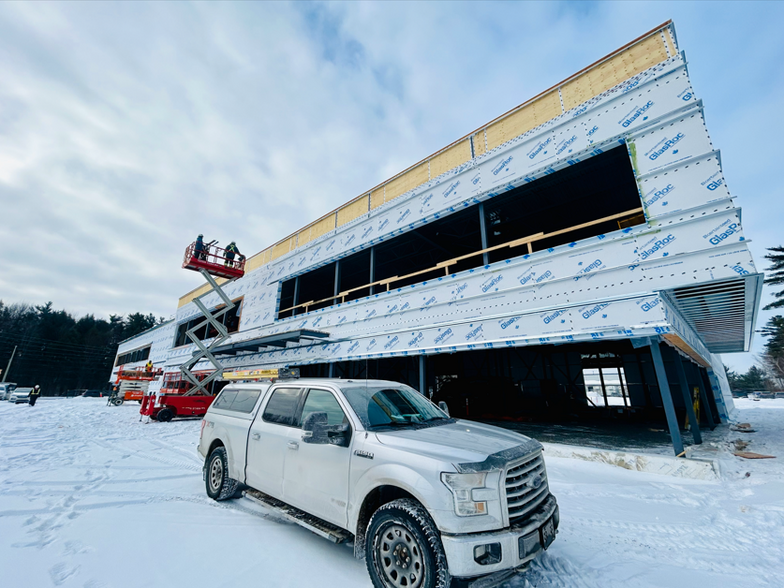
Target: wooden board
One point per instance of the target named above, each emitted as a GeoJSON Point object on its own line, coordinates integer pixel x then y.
{"type": "Point", "coordinates": [353, 210]}
{"type": "Point", "coordinates": [614, 70]}
{"type": "Point", "coordinates": [450, 158]}
{"type": "Point", "coordinates": [407, 181]}
{"type": "Point", "coordinates": [377, 198]}
{"type": "Point", "coordinates": [678, 343]}
{"type": "Point", "coordinates": [479, 144]}
{"type": "Point", "coordinates": [282, 248]}
{"type": "Point", "coordinates": [523, 120]}
{"type": "Point", "coordinates": [752, 455]}
{"type": "Point", "coordinates": [322, 226]}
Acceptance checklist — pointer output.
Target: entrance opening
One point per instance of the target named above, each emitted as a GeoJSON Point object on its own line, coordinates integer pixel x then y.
{"type": "Point", "coordinates": [590, 198]}
{"type": "Point", "coordinates": [552, 393]}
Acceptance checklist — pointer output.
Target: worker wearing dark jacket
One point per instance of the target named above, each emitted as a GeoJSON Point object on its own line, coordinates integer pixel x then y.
{"type": "Point", "coordinates": [231, 251]}
{"type": "Point", "coordinates": [198, 250]}
{"type": "Point", "coordinates": [34, 394]}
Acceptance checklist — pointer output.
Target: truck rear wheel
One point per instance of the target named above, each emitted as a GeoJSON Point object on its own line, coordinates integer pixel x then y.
{"type": "Point", "coordinates": [403, 548]}
{"type": "Point", "coordinates": [219, 485]}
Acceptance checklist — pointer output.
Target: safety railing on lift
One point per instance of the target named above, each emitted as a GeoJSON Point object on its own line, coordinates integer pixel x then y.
{"type": "Point", "coordinates": [215, 260]}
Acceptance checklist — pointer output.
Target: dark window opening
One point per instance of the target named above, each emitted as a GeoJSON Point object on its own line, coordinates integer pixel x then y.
{"type": "Point", "coordinates": [231, 320]}
{"type": "Point", "coordinates": [599, 187]}
{"type": "Point", "coordinates": [133, 356]}
{"type": "Point", "coordinates": [595, 196]}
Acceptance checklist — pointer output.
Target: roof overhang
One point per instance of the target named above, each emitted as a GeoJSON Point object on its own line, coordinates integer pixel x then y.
{"type": "Point", "coordinates": [276, 340]}
{"type": "Point", "coordinates": [723, 312]}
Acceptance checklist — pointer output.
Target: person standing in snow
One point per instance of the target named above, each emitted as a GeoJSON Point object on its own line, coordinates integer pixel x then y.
{"type": "Point", "coordinates": [34, 394]}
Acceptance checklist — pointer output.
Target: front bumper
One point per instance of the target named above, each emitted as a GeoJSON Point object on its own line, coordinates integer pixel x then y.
{"type": "Point", "coordinates": [519, 544]}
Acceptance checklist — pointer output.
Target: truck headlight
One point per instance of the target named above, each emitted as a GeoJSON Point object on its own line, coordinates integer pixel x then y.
{"type": "Point", "coordinates": [462, 487]}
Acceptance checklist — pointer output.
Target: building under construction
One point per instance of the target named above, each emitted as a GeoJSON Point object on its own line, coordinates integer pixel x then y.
{"type": "Point", "coordinates": [585, 239]}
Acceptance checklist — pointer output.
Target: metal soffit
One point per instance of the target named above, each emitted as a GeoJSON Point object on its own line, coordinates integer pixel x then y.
{"type": "Point", "coordinates": [723, 313]}
{"type": "Point", "coordinates": [276, 340]}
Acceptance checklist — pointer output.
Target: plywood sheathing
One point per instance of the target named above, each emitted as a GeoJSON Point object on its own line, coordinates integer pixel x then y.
{"type": "Point", "coordinates": [530, 116]}
{"type": "Point", "coordinates": [406, 181]}
{"type": "Point", "coordinates": [614, 70]}
{"type": "Point", "coordinates": [644, 52]}
{"type": "Point", "coordinates": [450, 158]}
{"type": "Point", "coordinates": [353, 210]}
{"type": "Point", "coordinates": [377, 198]}
{"type": "Point", "coordinates": [282, 248]}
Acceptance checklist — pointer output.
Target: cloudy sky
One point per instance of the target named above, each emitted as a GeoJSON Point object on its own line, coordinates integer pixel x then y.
{"type": "Point", "coordinates": [126, 129]}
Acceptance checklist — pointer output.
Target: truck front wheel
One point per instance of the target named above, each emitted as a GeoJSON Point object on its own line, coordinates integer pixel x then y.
{"type": "Point", "coordinates": [404, 549]}
{"type": "Point", "coordinates": [219, 485]}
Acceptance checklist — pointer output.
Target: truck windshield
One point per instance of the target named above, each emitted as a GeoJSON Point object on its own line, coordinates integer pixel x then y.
{"type": "Point", "coordinates": [390, 407]}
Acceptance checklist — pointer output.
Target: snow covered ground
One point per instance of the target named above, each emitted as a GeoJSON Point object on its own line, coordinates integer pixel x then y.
{"type": "Point", "coordinates": [90, 497]}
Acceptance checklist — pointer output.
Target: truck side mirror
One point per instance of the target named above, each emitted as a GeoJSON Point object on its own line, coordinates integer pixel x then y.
{"type": "Point", "coordinates": [315, 428]}
{"type": "Point", "coordinates": [442, 405]}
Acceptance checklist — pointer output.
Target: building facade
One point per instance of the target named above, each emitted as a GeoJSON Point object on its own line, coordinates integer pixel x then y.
{"type": "Point", "coordinates": [590, 228]}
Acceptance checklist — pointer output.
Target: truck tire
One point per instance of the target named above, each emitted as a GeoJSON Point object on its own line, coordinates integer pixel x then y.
{"type": "Point", "coordinates": [219, 485]}
{"type": "Point", "coordinates": [403, 548]}
{"type": "Point", "coordinates": [165, 415]}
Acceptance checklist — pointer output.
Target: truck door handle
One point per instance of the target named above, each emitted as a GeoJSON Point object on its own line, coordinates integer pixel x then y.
{"type": "Point", "coordinates": [293, 445]}
{"type": "Point", "coordinates": [256, 436]}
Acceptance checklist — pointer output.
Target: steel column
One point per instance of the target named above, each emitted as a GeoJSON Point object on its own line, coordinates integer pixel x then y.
{"type": "Point", "coordinates": [332, 370]}
{"type": "Point", "coordinates": [483, 232]}
{"type": "Point", "coordinates": [687, 398]}
{"type": "Point", "coordinates": [336, 290]}
{"type": "Point", "coordinates": [706, 407]}
{"type": "Point", "coordinates": [422, 376]}
{"type": "Point", "coordinates": [372, 269]}
{"type": "Point", "coordinates": [296, 295]}
{"type": "Point", "coordinates": [666, 396]}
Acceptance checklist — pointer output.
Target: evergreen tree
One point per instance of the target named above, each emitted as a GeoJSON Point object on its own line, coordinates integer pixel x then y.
{"type": "Point", "coordinates": [776, 275]}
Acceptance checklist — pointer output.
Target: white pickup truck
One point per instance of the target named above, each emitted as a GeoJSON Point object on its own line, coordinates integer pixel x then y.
{"type": "Point", "coordinates": [425, 498]}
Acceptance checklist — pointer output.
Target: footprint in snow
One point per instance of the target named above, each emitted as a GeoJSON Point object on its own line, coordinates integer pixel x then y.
{"type": "Point", "coordinates": [61, 572]}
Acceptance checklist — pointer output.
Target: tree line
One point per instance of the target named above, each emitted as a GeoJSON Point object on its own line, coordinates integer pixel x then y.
{"type": "Point", "coordinates": [60, 352]}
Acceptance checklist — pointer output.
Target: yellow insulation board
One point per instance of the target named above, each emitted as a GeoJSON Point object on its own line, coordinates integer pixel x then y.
{"type": "Point", "coordinates": [450, 158]}
{"type": "Point", "coordinates": [353, 210]}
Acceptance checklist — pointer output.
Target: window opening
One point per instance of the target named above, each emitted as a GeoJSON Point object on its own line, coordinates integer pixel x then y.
{"type": "Point", "coordinates": [593, 197]}
{"type": "Point", "coordinates": [133, 356]}
{"type": "Point", "coordinates": [231, 320]}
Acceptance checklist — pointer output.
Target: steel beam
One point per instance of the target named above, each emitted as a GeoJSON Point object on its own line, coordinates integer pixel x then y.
{"type": "Point", "coordinates": [666, 396]}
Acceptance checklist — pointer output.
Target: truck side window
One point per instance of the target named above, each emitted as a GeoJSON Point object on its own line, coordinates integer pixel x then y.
{"type": "Point", "coordinates": [282, 405]}
{"type": "Point", "coordinates": [245, 400]}
{"type": "Point", "coordinates": [225, 399]}
{"type": "Point", "coordinates": [323, 401]}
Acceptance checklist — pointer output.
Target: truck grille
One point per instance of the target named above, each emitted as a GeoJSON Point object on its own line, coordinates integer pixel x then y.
{"type": "Point", "coordinates": [523, 492]}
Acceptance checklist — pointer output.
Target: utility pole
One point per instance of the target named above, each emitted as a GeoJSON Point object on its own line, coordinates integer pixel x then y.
{"type": "Point", "coordinates": [8, 367]}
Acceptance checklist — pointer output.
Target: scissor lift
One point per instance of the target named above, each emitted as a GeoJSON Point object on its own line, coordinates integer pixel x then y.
{"type": "Point", "coordinates": [210, 262]}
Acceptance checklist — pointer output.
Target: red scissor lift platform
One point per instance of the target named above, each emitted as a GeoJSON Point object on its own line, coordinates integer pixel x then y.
{"type": "Point", "coordinates": [213, 260]}
{"type": "Point", "coordinates": [209, 260]}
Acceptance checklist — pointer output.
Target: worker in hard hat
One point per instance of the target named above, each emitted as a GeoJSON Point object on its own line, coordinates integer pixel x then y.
{"type": "Point", "coordinates": [231, 252]}
{"type": "Point", "coordinates": [199, 250]}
